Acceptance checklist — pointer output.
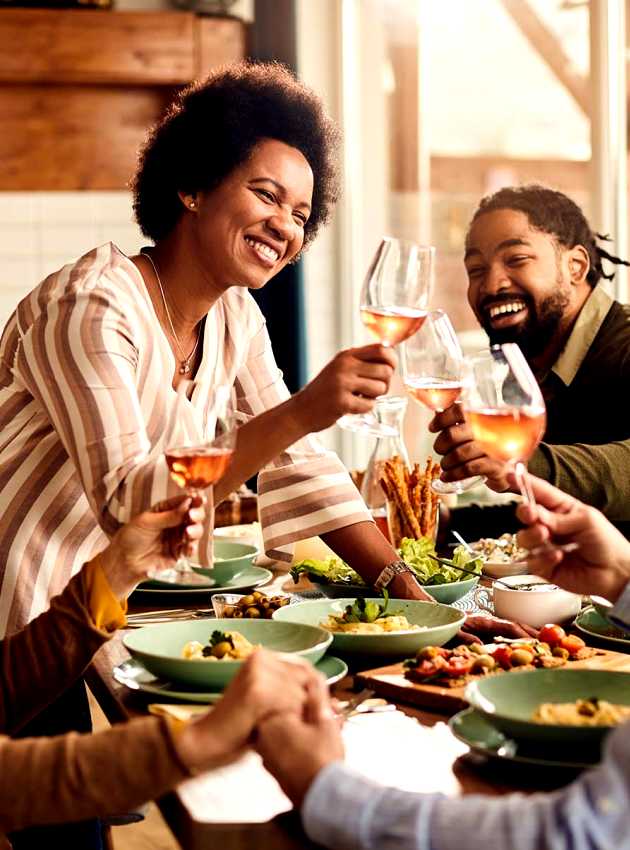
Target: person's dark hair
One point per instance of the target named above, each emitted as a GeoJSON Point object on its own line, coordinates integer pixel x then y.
{"type": "Point", "coordinates": [213, 126]}
{"type": "Point", "coordinates": [554, 213]}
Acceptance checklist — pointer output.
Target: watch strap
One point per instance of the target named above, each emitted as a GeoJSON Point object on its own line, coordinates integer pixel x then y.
{"type": "Point", "coordinates": [389, 572]}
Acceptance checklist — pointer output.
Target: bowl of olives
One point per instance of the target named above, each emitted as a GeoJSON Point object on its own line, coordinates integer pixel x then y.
{"type": "Point", "coordinates": [253, 606]}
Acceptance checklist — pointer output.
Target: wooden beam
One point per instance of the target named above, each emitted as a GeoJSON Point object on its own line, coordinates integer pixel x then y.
{"type": "Point", "coordinates": [83, 46]}
{"type": "Point", "coordinates": [548, 46]}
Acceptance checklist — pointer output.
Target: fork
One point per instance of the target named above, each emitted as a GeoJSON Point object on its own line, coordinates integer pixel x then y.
{"type": "Point", "coordinates": [524, 586]}
{"type": "Point", "coordinates": [355, 701]}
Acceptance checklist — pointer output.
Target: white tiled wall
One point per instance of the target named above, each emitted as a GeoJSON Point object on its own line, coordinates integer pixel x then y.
{"type": "Point", "coordinates": [41, 231]}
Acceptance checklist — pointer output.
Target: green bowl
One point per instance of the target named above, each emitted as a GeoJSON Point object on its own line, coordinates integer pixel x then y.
{"type": "Point", "coordinates": [441, 624]}
{"type": "Point", "coordinates": [230, 559]}
{"type": "Point", "coordinates": [449, 593]}
{"type": "Point", "coordinates": [509, 701]}
{"type": "Point", "coordinates": [160, 647]}
{"type": "Point", "coordinates": [444, 593]}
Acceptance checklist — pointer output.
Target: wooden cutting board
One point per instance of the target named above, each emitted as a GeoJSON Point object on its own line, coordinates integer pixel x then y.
{"type": "Point", "coordinates": [390, 682]}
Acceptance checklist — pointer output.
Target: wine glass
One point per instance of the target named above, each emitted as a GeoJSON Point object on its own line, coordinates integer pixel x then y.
{"type": "Point", "coordinates": [433, 373]}
{"type": "Point", "coordinates": [197, 467]}
{"type": "Point", "coordinates": [393, 306]}
{"type": "Point", "coordinates": [505, 409]}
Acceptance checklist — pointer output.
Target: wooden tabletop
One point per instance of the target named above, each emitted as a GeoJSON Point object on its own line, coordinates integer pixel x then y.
{"type": "Point", "coordinates": [476, 775]}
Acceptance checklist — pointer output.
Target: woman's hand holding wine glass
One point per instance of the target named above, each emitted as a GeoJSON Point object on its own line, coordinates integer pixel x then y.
{"type": "Point", "coordinates": [195, 468]}
{"type": "Point", "coordinates": [394, 301]}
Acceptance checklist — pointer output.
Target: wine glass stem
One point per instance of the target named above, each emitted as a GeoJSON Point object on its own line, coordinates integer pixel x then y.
{"type": "Point", "coordinates": [524, 486]}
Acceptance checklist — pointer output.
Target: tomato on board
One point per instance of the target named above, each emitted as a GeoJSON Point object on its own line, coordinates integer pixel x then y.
{"type": "Point", "coordinates": [458, 665]}
{"type": "Point", "coordinates": [572, 643]}
{"type": "Point", "coordinates": [552, 634]}
{"type": "Point", "coordinates": [430, 667]}
{"type": "Point", "coordinates": [502, 655]}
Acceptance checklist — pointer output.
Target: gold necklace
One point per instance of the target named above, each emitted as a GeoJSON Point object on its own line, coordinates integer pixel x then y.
{"type": "Point", "coordinates": [185, 363]}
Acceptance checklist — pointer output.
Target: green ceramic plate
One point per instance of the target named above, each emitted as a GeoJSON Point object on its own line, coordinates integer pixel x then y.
{"type": "Point", "coordinates": [441, 624]}
{"type": "Point", "coordinates": [592, 623]}
{"type": "Point", "coordinates": [245, 580]}
{"type": "Point", "coordinates": [160, 647]}
{"type": "Point", "coordinates": [134, 675]}
{"type": "Point", "coordinates": [482, 737]}
{"type": "Point", "coordinates": [444, 593]}
{"type": "Point", "coordinates": [508, 702]}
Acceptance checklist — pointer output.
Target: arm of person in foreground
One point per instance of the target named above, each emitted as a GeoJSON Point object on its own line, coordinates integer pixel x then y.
{"type": "Point", "coordinates": [73, 777]}
{"type": "Point", "coordinates": [344, 811]}
{"type": "Point", "coordinates": [45, 657]}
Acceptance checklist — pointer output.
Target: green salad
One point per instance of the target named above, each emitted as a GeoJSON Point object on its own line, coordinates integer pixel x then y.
{"type": "Point", "coordinates": [415, 553]}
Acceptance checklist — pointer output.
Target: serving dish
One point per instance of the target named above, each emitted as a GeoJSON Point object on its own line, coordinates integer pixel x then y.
{"type": "Point", "coordinates": [501, 556]}
{"type": "Point", "coordinates": [473, 729]}
{"type": "Point", "coordinates": [134, 675]}
{"type": "Point", "coordinates": [159, 647]}
{"type": "Point", "coordinates": [223, 602]}
{"type": "Point", "coordinates": [509, 702]}
{"type": "Point", "coordinates": [444, 593]}
{"type": "Point", "coordinates": [441, 622]}
{"type": "Point", "coordinates": [245, 580]}
{"type": "Point", "coordinates": [591, 623]}
{"type": "Point", "coordinates": [231, 558]}
{"type": "Point", "coordinates": [550, 604]}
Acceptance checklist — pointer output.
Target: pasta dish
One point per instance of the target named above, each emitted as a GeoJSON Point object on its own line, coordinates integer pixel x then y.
{"type": "Point", "coordinates": [582, 712]}
{"type": "Point", "coordinates": [222, 646]}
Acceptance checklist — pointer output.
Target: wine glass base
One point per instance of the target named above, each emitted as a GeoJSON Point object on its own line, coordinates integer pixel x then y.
{"type": "Point", "coordinates": [181, 576]}
{"type": "Point", "coordinates": [366, 424]}
{"type": "Point", "coordinates": [446, 487]}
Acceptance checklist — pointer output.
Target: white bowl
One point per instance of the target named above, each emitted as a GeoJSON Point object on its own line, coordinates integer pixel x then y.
{"type": "Point", "coordinates": [534, 607]}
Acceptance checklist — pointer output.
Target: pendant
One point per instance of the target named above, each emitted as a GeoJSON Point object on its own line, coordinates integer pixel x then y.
{"type": "Point", "coordinates": [184, 367]}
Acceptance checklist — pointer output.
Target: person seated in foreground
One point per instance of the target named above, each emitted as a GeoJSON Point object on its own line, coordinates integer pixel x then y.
{"type": "Point", "coordinates": [71, 777]}
{"type": "Point", "coordinates": [535, 277]}
{"type": "Point", "coordinates": [592, 812]}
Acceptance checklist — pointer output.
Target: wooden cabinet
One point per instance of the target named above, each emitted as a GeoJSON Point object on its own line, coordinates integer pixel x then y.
{"type": "Point", "coordinates": [78, 88]}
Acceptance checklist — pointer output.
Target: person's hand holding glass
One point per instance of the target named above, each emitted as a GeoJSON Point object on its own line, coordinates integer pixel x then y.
{"type": "Point", "coordinates": [393, 305]}
{"type": "Point", "coordinates": [505, 409]}
{"type": "Point", "coordinates": [433, 372]}
{"type": "Point", "coordinates": [195, 468]}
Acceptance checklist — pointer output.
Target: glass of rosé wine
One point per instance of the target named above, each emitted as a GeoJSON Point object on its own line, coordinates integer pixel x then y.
{"type": "Point", "coordinates": [393, 305]}
{"type": "Point", "coordinates": [505, 409]}
{"type": "Point", "coordinates": [197, 467]}
{"type": "Point", "coordinates": [433, 373]}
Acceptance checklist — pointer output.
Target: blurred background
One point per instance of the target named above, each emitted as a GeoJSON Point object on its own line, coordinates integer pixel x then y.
{"type": "Point", "coordinates": [440, 102]}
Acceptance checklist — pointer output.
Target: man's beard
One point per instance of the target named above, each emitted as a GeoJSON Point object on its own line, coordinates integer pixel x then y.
{"type": "Point", "coordinates": [534, 334]}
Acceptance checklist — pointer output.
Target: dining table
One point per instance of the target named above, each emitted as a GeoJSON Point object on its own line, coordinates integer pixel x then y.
{"type": "Point", "coordinates": [473, 774]}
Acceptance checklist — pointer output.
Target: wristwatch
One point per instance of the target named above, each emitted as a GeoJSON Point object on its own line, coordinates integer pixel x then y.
{"type": "Point", "coordinates": [390, 572]}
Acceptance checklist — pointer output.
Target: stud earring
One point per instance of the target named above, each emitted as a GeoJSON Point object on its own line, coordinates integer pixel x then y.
{"type": "Point", "coordinates": [192, 205]}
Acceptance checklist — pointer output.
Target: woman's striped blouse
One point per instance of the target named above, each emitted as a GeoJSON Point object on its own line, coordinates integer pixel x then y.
{"type": "Point", "coordinates": [87, 409]}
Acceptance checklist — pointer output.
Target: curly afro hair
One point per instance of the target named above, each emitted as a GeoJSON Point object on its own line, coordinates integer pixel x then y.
{"type": "Point", "coordinates": [554, 213]}
{"type": "Point", "coordinates": [213, 126]}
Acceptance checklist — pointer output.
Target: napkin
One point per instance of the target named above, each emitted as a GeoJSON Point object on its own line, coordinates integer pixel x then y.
{"type": "Point", "coordinates": [177, 712]}
{"type": "Point", "coordinates": [244, 792]}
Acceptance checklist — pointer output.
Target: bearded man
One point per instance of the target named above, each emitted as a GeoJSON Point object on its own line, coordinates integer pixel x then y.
{"type": "Point", "coordinates": [534, 278]}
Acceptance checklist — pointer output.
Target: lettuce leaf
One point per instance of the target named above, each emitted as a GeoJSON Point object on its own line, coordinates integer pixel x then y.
{"type": "Point", "coordinates": [414, 552]}
{"type": "Point", "coordinates": [332, 569]}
